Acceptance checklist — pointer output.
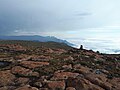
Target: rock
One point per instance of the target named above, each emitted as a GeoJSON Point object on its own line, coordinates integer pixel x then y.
{"type": "Point", "coordinates": [37, 84]}
{"type": "Point", "coordinates": [13, 48]}
{"type": "Point", "coordinates": [7, 88]}
{"type": "Point", "coordinates": [81, 84]}
{"type": "Point", "coordinates": [99, 80]}
{"type": "Point", "coordinates": [42, 58]}
{"type": "Point", "coordinates": [22, 57]}
{"type": "Point", "coordinates": [115, 82]}
{"type": "Point", "coordinates": [6, 78]}
{"type": "Point", "coordinates": [82, 70]}
{"type": "Point", "coordinates": [4, 88]}
{"type": "Point", "coordinates": [33, 64]}
{"type": "Point", "coordinates": [56, 85]}
{"type": "Point", "coordinates": [70, 88]}
{"type": "Point", "coordinates": [110, 76]}
{"type": "Point", "coordinates": [20, 71]}
{"type": "Point", "coordinates": [67, 66]}
{"type": "Point", "coordinates": [69, 58]}
{"type": "Point", "coordinates": [98, 71]}
{"type": "Point", "coordinates": [49, 50]}
{"type": "Point", "coordinates": [21, 81]}
{"type": "Point", "coordinates": [43, 68]}
{"type": "Point", "coordinates": [4, 64]}
{"type": "Point", "coordinates": [43, 50]}
{"type": "Point", "coordinates": [81, 47]}
{"type": "Point", "coordinates": [63, 75]}
{"type": "Point", "coordinates": [27, 87]}
{"type": "Point", "coordinates": [105, 71]}
{"type": "Point", "coordinates": [43, 88]}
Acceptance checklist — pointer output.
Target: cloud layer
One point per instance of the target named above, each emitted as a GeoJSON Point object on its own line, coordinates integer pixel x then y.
{"type": "Point", "coordinates": [56, 15]}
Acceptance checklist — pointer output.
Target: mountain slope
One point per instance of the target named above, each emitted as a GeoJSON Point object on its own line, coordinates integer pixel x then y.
{"type": "Point", "coordinates": [36, 38]}
{"type": "Point", "coordinates": [35, 44]}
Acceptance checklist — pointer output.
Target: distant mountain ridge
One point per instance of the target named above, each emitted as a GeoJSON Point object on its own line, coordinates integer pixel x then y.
{"type": "Point", "coordinates": [36, 38]}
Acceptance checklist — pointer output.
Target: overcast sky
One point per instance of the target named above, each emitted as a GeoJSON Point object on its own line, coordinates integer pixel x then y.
{"type": "Point", "coordinates": [67, 19]}
{"type": "Point", "coordinates": [63, 18]}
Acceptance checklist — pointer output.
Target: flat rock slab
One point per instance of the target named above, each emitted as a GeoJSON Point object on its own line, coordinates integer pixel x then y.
{"type": "Point", "coordinates": [6, 78]}
{"type": "Point", "coordinates": [33, 64]}
{"type": "Point", "coordinates": [20, 71]}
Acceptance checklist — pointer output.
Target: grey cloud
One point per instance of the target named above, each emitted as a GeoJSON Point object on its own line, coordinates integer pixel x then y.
{"type": "Point", "coordinates": [39, 15]}
{"type": "Point", "coordinates": [83, 14]}
{"type": "Point", "coordinates": [53, 15]}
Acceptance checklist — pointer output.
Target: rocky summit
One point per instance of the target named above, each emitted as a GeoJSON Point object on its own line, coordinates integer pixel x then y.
{"type": "Point", "coordinates": [44, 68]}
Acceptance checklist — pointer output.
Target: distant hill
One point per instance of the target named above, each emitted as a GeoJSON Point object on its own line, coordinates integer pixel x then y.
{"type": "Point", "coordinates": [36, 38]}
{"type": "Point", "coordinates": [34, 44]}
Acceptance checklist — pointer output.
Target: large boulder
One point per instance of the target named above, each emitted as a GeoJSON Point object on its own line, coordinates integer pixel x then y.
{"type": "Point", "coordinates": [6, 78]}
{"type": "Point", "coordinates": [63, 75]}
{"type": "Point", "coordinates": [43, 89]}
{"type": "Point", "coordinates": [27, 87]}
{"type": "Point", "coordinates": [21, 81]}
{"type": "Point", "coordinates": [33, 64]}
{"type": "Point", "coordinates": [20, 71]}
{"type": "Point", "coordinates": [55, 85]}
{"type": "Point", "coordinates": [99, 80]}
{"type": "Point", "coordinates": [7, 88]}
{"type": "Point", "coordinates": [81, 84]}
{"type": "Point", "coordinates": [81, 69]}
{"type": "Point", "coordinates": [70, 88]}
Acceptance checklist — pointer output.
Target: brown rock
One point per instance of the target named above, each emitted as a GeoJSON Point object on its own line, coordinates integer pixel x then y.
{"type": "Point", "coordinates": [7, 88]}
{"type": "Point", "coordinates": [49, 50]}
{"type": "Point", "coordinates": [63, 75]}
{"type": "Point", "coordinates": [22, 57]}
{"type": "Point", "coordinates": [6, 78]}
{"type": "Point", "coordinates": [41, 58]}
{"type": "Point", "coordinates": [43, 88]}
{"type": "Point", "coordinates": [69, 58]}
{"type": "Point", "coordinates": [24, 72]}
{"type": "Point", "coordinates": [99, 80]}
{"type": "Point", "coordinates": [67, 66]}
{"type": "Point", "coordinates": [33, 64]}
{"type": "Point", "coordinates": [70, 88]}
{"type": "Point", "coordinates": [115, 82]}
{"type": "Point", "coordinates": [55, 85]}
{"type": "Point", "coordinates": [81, 84]}
{"type": "Point", "coordinates": [27, 87]}
{"type": "Point", "coordinates": [37, 84]}
{"type": "Point", "coordinates": [81, 69]}
{"type": "Point", "coordinates": [59, 51]}
{"type": "Point", "coordinates": [21, 81]}
{"type": "Point", "coordinates": [14, 47]}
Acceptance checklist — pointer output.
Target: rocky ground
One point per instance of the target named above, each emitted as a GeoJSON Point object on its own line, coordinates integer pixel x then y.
{"type": "Point", "coordinates": [44, 68]}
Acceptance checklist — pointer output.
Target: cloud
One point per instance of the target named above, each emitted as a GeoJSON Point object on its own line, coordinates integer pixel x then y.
{"type": "Point", "coordinates": [94, 23]}
{"type": "Point", "coordinates": [43, 15]}
{"type": "Point", "coordinates": [82, 14]}
{"type": "Point", "coordinates": [102, 45]}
